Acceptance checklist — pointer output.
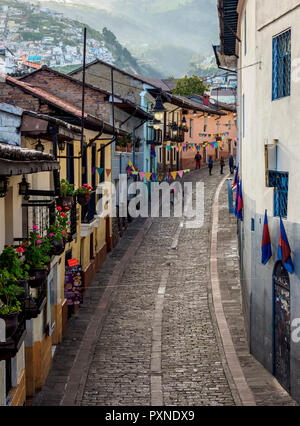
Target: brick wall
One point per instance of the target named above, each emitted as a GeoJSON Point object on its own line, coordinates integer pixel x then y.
{"type": "Point", "coordinates": [16, 97]}
{"type": "Point", "coordinates": [71, 92]}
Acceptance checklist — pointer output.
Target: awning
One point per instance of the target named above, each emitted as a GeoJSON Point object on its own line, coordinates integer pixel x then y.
{"type": "Point", "coordinates": [15, 160]}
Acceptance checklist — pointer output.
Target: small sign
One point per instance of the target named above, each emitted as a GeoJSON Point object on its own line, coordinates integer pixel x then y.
{"type": "Point", "coordinates": [72, 262]}
{"type": "Point", "coordinates": [73, 285]}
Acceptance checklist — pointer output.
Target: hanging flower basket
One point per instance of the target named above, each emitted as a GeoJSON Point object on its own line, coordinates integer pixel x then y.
{"type": "Point", "coordinates": [11, 323]}
{"type": "Point", "coordinates": [37, 277]}
{"type": "Point", "coordinates": [58, 247]}
{"type": "Point", "coordinates": [83, 200]}
{"type": "Point", "coordinates": [84, 194]}
{"type": "Point", "coordinates": [65, 201]}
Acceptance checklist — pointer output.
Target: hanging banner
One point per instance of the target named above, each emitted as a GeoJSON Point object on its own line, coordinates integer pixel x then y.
{"type": "Point", "coordinates": [100, 171]}
{"type": "Point", "coordinates": [108, 172]}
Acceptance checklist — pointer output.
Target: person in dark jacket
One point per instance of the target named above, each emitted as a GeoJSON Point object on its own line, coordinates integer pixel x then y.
{"type": "Point", "coordinates": [198, 159]}
{"type": "Point", "coordinates": [222, 164]}
{"type": "Point", "coordinates": [231, 164]}
{"type": "Point", "coordinates": [210, 164]}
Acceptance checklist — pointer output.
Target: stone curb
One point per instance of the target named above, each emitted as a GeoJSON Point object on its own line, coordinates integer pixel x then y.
{"type": "Point", "coordinates": [79, 371]}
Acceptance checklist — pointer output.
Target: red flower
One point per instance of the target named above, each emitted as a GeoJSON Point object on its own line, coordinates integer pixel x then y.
{"type": "Point", "coordinates": [87, 196]}
{"type": "Point", "coordinates": [63, 214]}
{"type": "Point", "coordinates": [59, 209]}
{"type": "Point", "coordinates": [20, 250]}
{"type": "Point", "coordinates": [67, 208]}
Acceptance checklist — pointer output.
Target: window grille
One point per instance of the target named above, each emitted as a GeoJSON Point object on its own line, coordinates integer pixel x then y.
{"type": "Point", "coordinates": [281, 66]}
{"type": "Point", "coordinates": [280, 182]}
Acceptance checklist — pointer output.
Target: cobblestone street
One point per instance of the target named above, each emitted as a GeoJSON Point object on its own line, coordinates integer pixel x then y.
{"type": "Point", "coordinates": [156, 340]}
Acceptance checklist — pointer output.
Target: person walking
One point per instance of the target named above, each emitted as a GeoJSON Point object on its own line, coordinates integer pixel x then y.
{"type": "Point", "coordinates": [222, 164]}
{"type": "Point", "coordinates": [231, 164]}
{"type": "Point", "coordinates": [198, 159]}
{"type": "Point", "coordinates": [210, 165]}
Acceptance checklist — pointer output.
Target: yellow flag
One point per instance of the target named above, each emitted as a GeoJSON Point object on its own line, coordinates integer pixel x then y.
{"type": "Point", "coordinates": [174, 175]}
{"type": "Point", "coordinates": [148, 175]}
{"type": "Point", "coordinates": [180, 148]}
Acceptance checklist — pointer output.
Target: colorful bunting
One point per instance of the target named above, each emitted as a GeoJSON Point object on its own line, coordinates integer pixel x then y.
{"type": "Point", "coordinates": [284, 250]}
{"type": "Point", "coordinates": [108, 172]}
{"type": "Point", "coordinates": [100, 171]}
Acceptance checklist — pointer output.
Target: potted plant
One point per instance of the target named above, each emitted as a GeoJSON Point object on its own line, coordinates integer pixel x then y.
{"type": "Point", "coordinates": [122, 142]}
{"type": "Point", "coordinates": [84, 194]}
{"type": "Point", "coordinates": [11, 306]}
{"type": "Point", "coordinates": [37, 257]}
{"type": "Point", "coordinates": [56, 240]}
{"type": "Point", "coordinates": [66, 194]}
{"type": "Point", "coordinates": [129, 143]}
{"type": "Point", "coordinates": [10, 260]}
{"type": "Point", "coordinates": [118, 144]}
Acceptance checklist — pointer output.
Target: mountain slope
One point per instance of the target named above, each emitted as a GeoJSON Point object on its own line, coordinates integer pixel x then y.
{"type": "Point", "coordinates": [146, 25]}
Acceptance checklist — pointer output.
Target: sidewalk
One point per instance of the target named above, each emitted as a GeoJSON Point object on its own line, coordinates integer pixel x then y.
{"type": "Point", "coordinates": [265, 388]}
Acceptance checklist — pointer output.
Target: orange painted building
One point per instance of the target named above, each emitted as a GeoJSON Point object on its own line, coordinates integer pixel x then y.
{"type": "Point", "coordinates": [211, 126]}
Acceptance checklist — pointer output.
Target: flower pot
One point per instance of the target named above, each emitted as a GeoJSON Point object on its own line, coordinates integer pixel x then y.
{"type": "Point", "coordinates": [11, 323]}
{"type": "Point", "coordinates": [118, 148]}
{"type": "Point", "coordinates": [37, 277]}
{"type": "Point", "coordinates": [124, 149]}
{"type": "Point", "coordinates": [65, 201]}
{"type": "Point", "coordinates": [129, 147]}
{"type": "Point", "coordinates": [82, 199]}
{"type": "Point", "coordinates": [58, 247]}
{"type": "Point", "coordinates": [137, 149]}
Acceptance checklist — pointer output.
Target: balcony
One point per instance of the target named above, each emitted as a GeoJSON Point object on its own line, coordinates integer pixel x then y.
{"type": "Point", "coordinates": [10, 348]}
{"type": "Point", "coordinates": [89, 218]}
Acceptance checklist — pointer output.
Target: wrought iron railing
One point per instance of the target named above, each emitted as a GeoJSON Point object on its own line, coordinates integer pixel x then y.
{"type": "Point", "coordinates": [88, 212]}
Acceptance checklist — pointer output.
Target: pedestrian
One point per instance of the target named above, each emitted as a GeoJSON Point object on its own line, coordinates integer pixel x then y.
{"type": "Point", "coordinates": [198, 159]}
{"type": "Point", "coordinates": [210, 164]}
{"type": "Point", "coordinates": [231, 164]}
{"type": "Point", "coordinates": [222, 164]}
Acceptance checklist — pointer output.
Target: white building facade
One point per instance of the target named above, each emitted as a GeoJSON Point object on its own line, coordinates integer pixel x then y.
{"type": "Point", "coordinates": [267, 58]}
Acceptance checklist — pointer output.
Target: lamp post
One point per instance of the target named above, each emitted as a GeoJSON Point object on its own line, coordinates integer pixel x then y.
{"type": "Point", "coordinates": [40, 147]}
{"type": "Point", "coordinates": [24, 187]}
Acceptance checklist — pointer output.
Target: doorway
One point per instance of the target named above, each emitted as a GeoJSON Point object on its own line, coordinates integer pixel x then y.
{"type": "Point", "coordinates": [282, 326]}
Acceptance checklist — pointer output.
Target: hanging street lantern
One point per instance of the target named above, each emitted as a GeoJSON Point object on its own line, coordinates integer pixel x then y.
{"type": "Point", "coordinates": [24, 187]}
{"type": "Point", "coordinates": [174, 128]}
{"type": "Point", "coordinates": [3, 186]}
{"type": "Point", "coordinates": [61, 145]}
{"type": "Point", "coordinates": [40, 147]}
{"type": "Point", "coordinates": [159, 109]}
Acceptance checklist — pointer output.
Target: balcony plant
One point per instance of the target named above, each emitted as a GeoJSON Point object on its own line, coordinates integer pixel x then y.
{"type": "Point", "coordinates": [37, 257]}
{"type": "Point", "coordinates": [66, 194]}
{"type": "Point", "coordinates": [11, 306]}
{"type": "Point", "coordinates": [10, 261]}
{"type": "Point", "coordinates": [56, 240]}
{"type": "Point", "coordinates": [83, 194]}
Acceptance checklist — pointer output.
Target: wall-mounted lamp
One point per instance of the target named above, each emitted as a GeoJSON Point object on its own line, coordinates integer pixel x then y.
{"type": "Point", "coordinates": [40, 147]}
{"type": "Point", "coordinates": [3, 186]}
{"type": "Point", "coordinates": [24, 188]}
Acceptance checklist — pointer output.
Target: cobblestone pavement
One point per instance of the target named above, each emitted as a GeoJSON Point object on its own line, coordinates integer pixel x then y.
{"type": "Point", "coordinates": [190, 366]}
{"type": "Point", "coordinates": [159, 343]}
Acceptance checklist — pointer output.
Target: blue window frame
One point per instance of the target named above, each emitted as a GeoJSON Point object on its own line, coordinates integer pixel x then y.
{"type": "Point", "coordinates": [281, 85]}
{"type": "Point", "coordinates": [280, 182]}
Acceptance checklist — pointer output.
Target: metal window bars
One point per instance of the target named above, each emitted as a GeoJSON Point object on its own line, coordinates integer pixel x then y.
{"type": "Point", "coordinates": [280, 182]}
{"type": "Point", "coordinates": [281, 86]}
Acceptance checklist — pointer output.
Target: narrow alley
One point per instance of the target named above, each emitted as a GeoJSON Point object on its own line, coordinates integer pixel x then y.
{"type": "Point", "coordinates": [148, 335]}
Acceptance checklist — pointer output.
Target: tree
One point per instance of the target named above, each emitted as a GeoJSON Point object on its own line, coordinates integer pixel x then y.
{"type": "Point", "coordinates": [188, 86]}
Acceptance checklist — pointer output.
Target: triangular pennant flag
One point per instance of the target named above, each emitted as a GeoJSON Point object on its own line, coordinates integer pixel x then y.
{"type": "Point", "coordinates": [180, 173]}
{"type": "Point", "coordinates": [174, 175]}
{"type": "Point", "coordinates": [142, 175]}
{"type": "Point", "coordinates": [100, 171]}
{"type": "Point", "coordinates": [168, 147]}
{"type": "Point", "coordinates": [108, 172]}
{"type": "Point", "coordinates": [148, 175]}
{"type": "Point", "coordinates": [180, 148]}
